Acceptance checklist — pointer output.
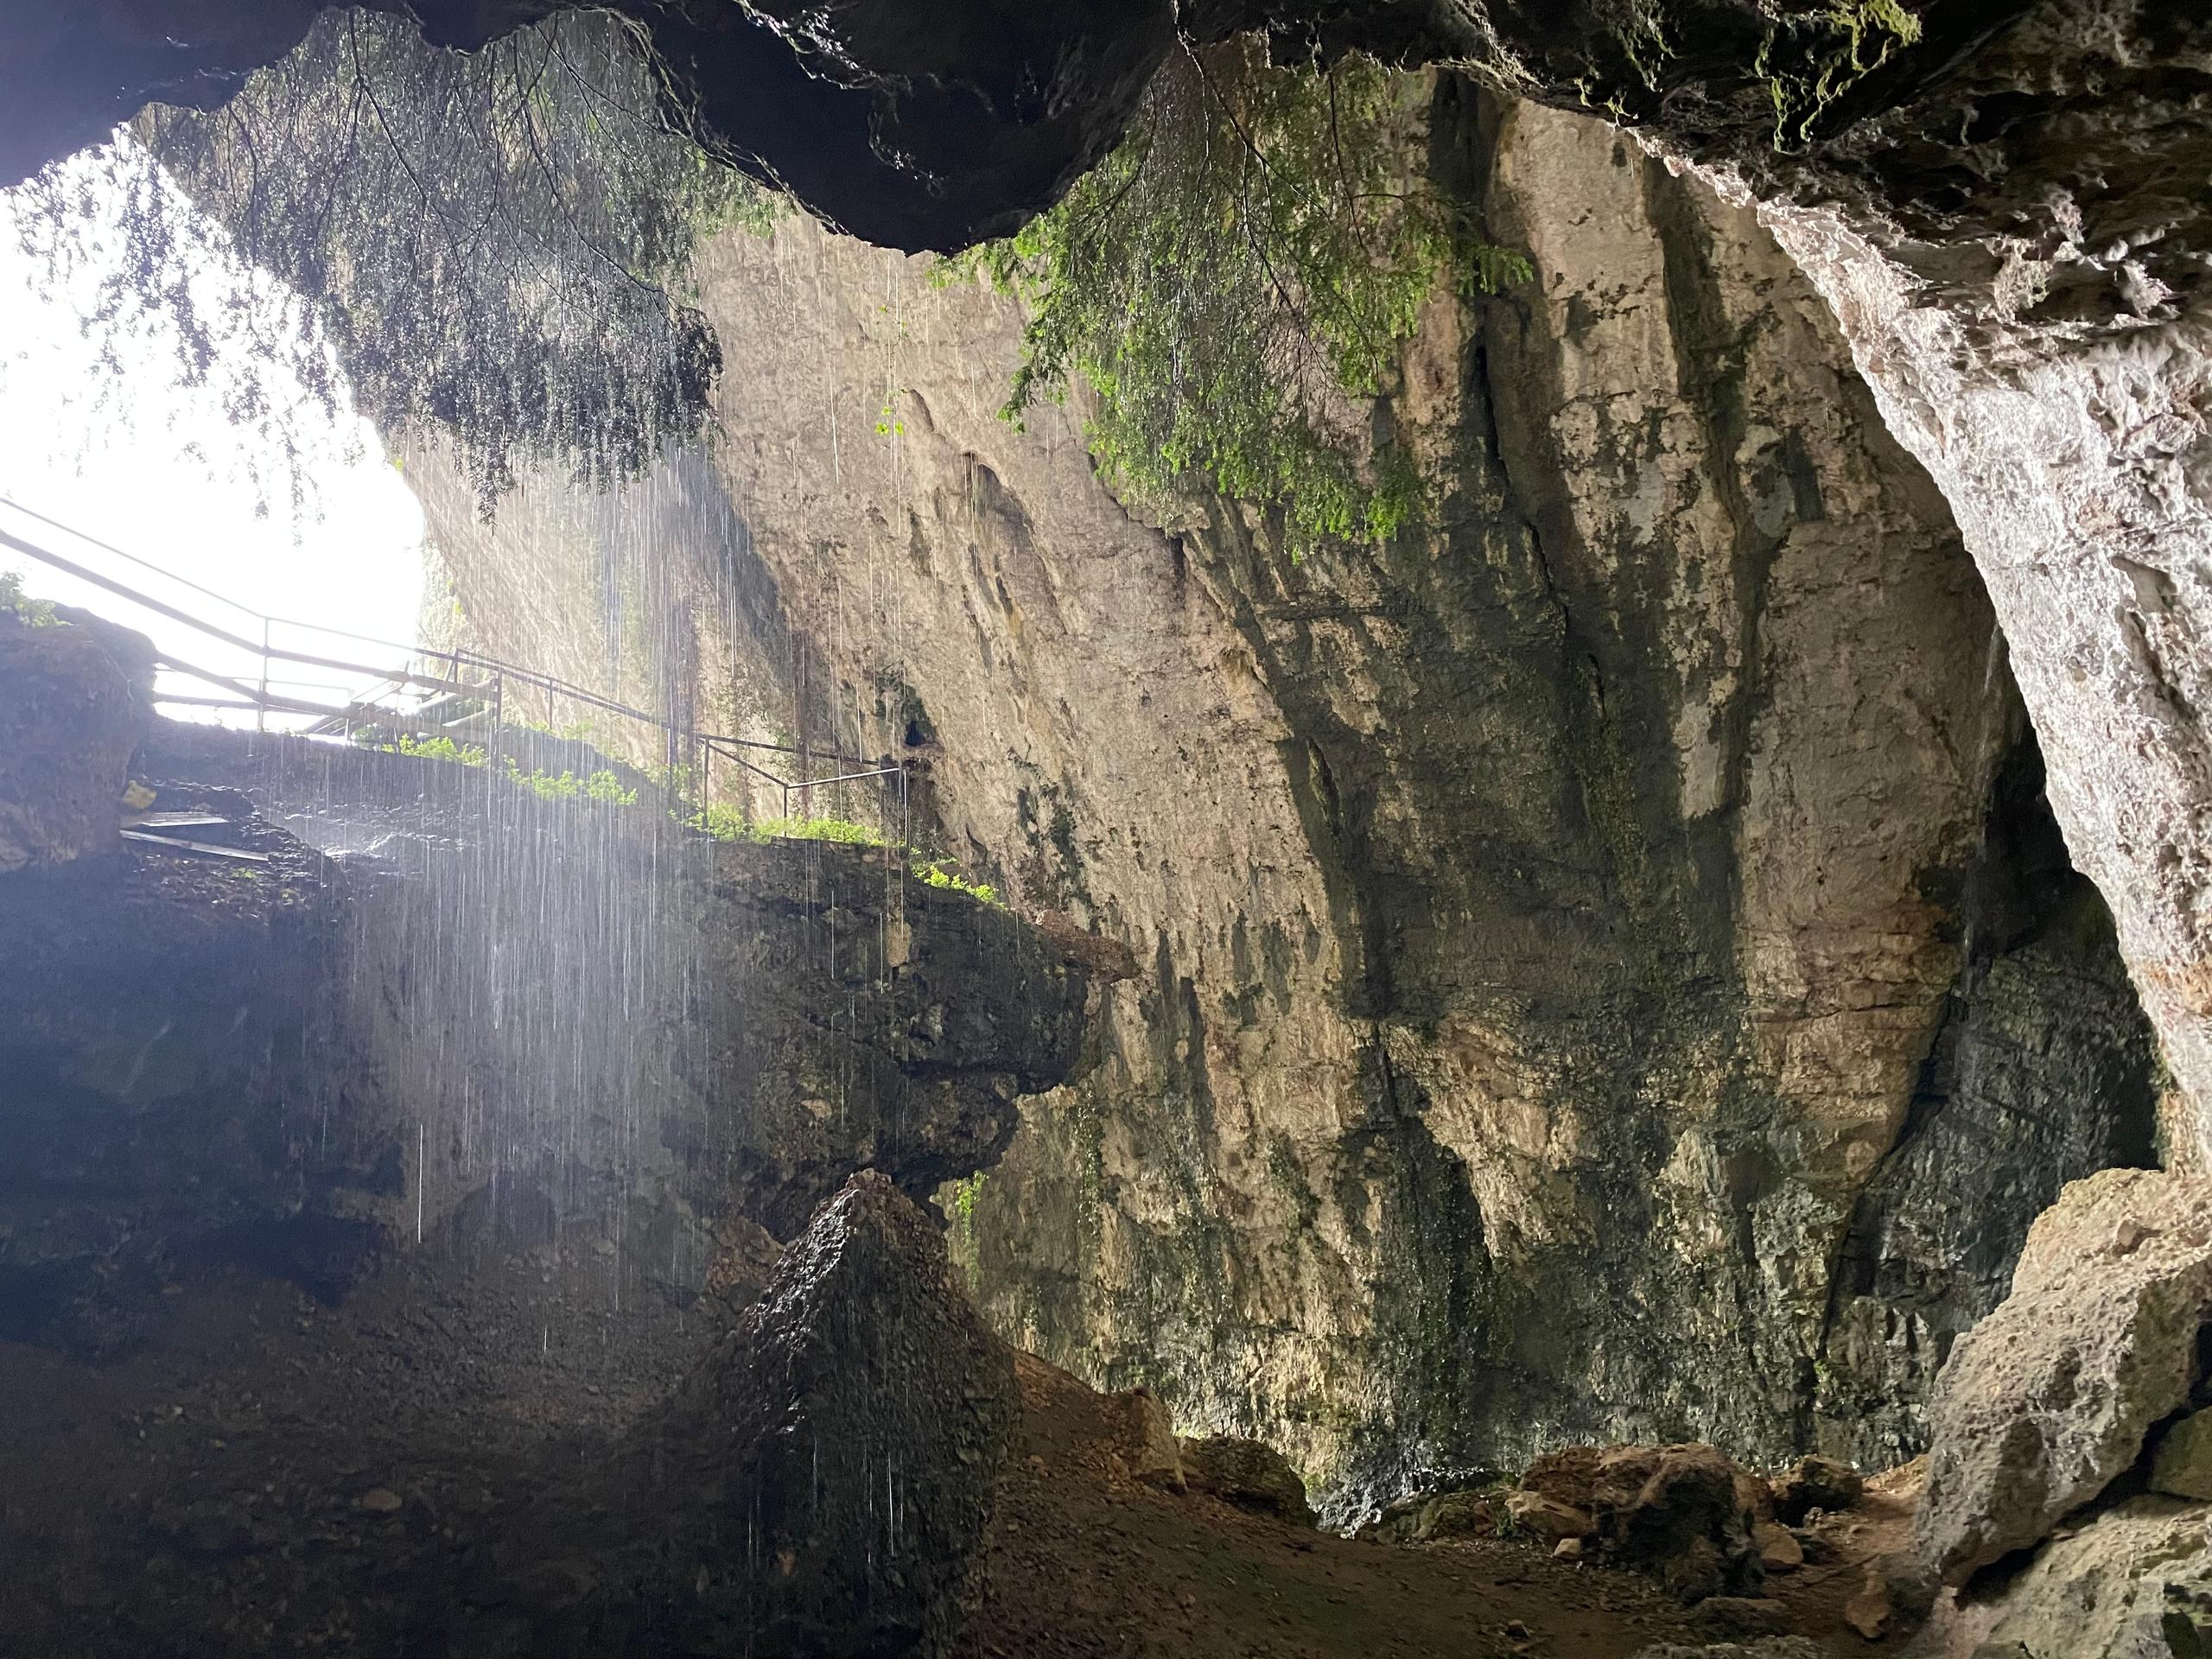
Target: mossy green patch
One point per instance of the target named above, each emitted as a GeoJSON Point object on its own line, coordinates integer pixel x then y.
{"type": "Point", "coordinates": [1237, 278]}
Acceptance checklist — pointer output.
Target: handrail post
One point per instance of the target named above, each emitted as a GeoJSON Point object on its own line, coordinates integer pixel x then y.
{"type": "Point", "coordinates": [261, 714]}
{"type": "Point", "coordinates": [499, 717]}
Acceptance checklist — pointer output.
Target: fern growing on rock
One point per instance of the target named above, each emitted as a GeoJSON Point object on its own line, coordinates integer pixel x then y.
{"type": "Point", "coordinates": [1234, 283]}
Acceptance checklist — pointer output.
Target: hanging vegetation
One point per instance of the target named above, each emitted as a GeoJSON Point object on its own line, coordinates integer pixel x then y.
{"type": "Point", "coordinates": [492, 245]}
{"type": "Point", "coordinates": [1236, 279]}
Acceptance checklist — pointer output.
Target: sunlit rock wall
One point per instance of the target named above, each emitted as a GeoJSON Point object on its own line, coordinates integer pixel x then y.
{"type": "Point", "coordinates": [2074, 452]}
{"type": "Point", "coordinates": [1573, 969]}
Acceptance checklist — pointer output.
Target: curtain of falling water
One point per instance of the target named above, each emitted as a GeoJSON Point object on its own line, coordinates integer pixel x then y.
{"type": "Point", "coordinates": [538, 982]}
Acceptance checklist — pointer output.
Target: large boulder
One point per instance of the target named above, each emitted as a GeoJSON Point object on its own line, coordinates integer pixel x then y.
{"type": "Point", "coordinates": [1248, 1474]}
{"type": "Point", "coordinates": [70, 719]}
{"type": "Point", "coordinates": [1683, 1513]}
{"type": "Point", "coordinates": [827, 1473]}
{"type": "Point", "coordinates": [1679, 1512]}
{"type": "Point", "coordinates": [1567, 1475]}
{"type": "Point", "coordinates": [2134, 1583]}
{"type": "Point", "coordinates": [2044, 1402]}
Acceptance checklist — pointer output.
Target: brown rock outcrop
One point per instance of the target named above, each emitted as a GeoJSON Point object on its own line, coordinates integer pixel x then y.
{"type": "Point", "coordinates": [1247, 1474]}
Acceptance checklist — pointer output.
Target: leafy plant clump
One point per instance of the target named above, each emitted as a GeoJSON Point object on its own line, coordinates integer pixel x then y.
{"type": "Point", "coordinates": [728, 824]}
{"type": "Point", "coordinates": [439, 748]}
{"type": "Point", "coordinates": [1236, 279]}
{"type": "Point", "coordinates": [603, 785]}
{"type": "Point", "coordinates": [965, 1191]}
{"type": "Point", "coordinates": [492, 245]}
{"type": "Point", "coordinates": [933, 874]}
{"type": "Point", "coordinates": [38, 612]}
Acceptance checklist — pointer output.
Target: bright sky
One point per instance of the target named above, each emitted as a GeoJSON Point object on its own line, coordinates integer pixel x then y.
{"type": "Point", "coordinates": [157, 470]}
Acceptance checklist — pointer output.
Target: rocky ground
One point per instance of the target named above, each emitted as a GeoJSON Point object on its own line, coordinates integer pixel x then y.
{"type": "Point", "coordinates": [273, 1475]}
{"type": "Point", "coordinates": [1087, 1558]}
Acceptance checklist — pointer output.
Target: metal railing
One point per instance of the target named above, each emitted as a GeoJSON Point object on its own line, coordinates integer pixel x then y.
{"type": "Point", "coordinates": [433, 692]}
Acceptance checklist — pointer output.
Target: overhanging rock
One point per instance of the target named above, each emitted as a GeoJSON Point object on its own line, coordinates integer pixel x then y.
{"type": "Point", "coordinates": [485, 1021]}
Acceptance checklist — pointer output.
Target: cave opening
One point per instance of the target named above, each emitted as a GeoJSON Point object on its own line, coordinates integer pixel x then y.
{"type": "Point", "coordinates": [1229, 830]}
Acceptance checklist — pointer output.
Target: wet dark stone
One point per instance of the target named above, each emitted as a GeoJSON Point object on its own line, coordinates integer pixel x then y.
{"type": "Point", "coordinates": [916, 128]}
{"type": "Point", "coordinates": [871, 1408]}
{"type": "Point", "coordinates": [515, 1025]}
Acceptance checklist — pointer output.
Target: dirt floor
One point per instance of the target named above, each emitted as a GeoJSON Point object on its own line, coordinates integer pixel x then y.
{"type": "Point", "coordinates": [187, 1501]}
{"type": "Point", "coordinates": [1086, 1561]}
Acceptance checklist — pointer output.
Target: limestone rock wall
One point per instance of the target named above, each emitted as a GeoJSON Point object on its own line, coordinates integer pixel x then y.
{"type": "Point", "coordinates": [2026, 285]}
{"type": "Point", "coordinates": [1556, 962]}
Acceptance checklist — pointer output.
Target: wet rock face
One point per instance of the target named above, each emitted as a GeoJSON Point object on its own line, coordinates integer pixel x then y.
{"type": "Point", "coordinates": [739, 1027]}
{"type": "Point", "coordinates": [2049, 1400]}
{"type": "Point", "coordinates": [871, 1409]}
{"type": "Point", "coordinates": [69, 721]}
{"type": "Point", "coordinates": [2041, 1073]}
{"type": "Point", "coordinates": [1541, 931]}
{"type": "Point", "coordinates": [156, 1111]}
{"type": "Point", "coordinates": [2002, 203]}
{"type": "Point", "coordinates": [517, 1025]}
